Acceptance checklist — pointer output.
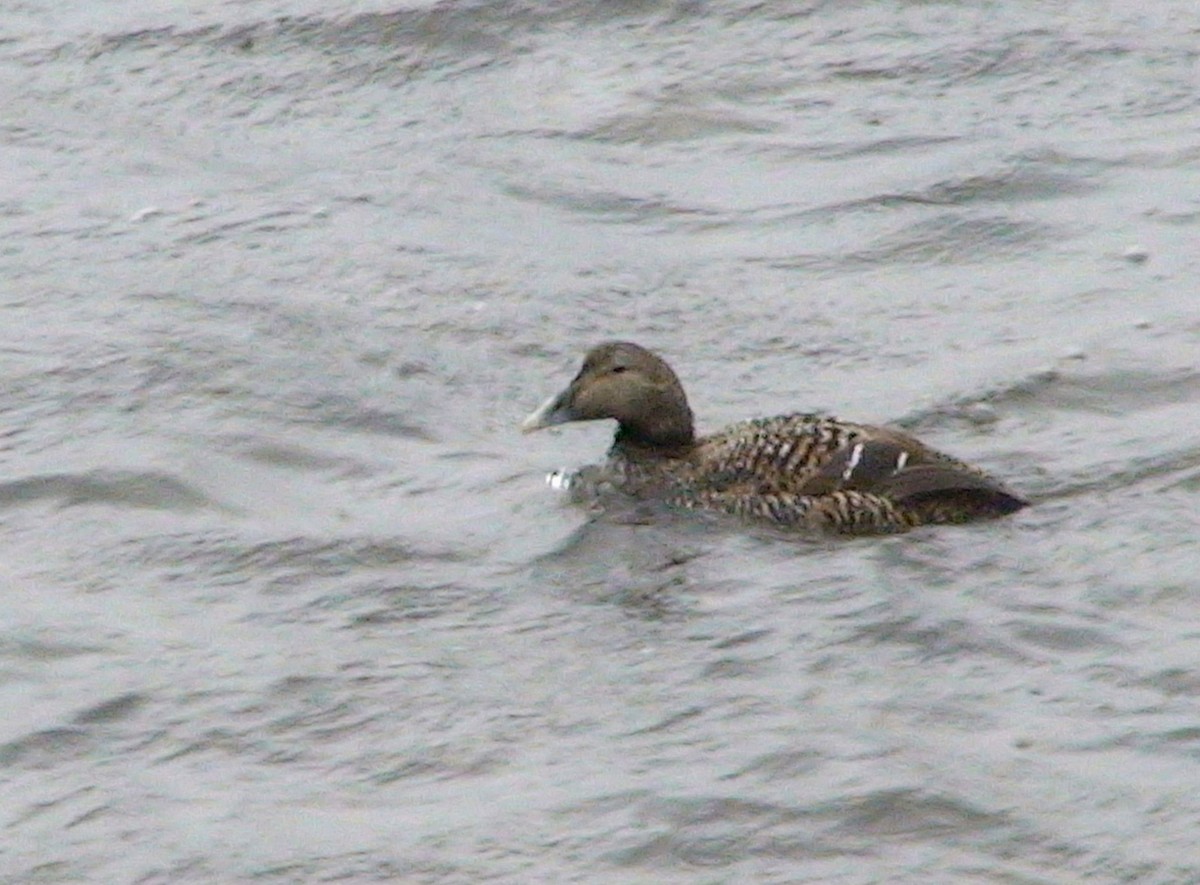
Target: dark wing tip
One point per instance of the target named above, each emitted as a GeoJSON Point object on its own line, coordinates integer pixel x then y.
{"type": "Point", "coordinates": [929, 483]}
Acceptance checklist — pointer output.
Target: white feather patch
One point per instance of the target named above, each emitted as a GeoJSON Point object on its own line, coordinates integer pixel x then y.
{"type": "Point", "coordinates": [901, 461]}
{"type": "Point", "coordinates": [855, 457]}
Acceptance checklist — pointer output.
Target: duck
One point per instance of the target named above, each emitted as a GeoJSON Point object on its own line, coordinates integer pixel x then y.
{"type": "Point", "coordinates": [793, 471]}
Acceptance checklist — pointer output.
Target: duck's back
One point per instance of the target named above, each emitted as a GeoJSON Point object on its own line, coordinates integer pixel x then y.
{"type": "Point", "coordinates": [814, 469]}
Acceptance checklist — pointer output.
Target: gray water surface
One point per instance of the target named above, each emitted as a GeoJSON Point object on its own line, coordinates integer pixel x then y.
{"type": "Point", "coordinates": [284, 596]}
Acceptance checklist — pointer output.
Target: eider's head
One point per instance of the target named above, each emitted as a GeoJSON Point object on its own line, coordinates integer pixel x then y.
{"type": "Point", "coordinates": [629, 383]}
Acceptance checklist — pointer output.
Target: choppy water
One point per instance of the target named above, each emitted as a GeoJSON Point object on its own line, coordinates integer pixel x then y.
{"type": "Point", "coordinates": [284, 596]}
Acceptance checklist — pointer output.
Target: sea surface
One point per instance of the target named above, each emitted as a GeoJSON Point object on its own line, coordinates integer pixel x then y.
{"type": "Point", "coordinates": [283, 594]}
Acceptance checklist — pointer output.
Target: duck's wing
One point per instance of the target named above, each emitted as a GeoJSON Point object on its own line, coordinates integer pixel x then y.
{"type": "Point", "coordinates": [815, 470]}
{"type": "Point", "coordinates": [863, 463]}
{"type": "Point", "coordinates": [782, 454]}
{"type": "Point", "coordinates": [807, 454]}
{"type": "Point", "coordinates": [895, 466]}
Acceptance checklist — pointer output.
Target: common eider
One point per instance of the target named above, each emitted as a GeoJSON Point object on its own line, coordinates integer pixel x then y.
{"type": "Point", "coordinates": [797, 470]}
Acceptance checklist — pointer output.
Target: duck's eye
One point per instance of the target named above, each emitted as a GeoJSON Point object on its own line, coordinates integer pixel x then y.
{"type": "Point", "coordinates": [617, 370]}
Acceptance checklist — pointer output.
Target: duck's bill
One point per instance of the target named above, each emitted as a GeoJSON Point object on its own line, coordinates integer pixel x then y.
{"type": "Point", "coordinates": [552, 411]}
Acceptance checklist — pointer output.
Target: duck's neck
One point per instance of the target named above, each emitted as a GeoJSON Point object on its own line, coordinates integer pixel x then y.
{"type": "Point", "coordinates": [664, 434]}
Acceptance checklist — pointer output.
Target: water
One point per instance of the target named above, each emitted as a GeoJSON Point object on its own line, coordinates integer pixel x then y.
{"type": "Point", "coordinates": [285, 598]}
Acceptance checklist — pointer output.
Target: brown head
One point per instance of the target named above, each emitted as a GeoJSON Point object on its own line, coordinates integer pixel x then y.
{"type": "Point", "coordinates": [629, 383]}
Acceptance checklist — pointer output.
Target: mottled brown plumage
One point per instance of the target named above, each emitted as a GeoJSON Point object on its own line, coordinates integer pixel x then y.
{"type": "Point", "coordinates": [799, 470]}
